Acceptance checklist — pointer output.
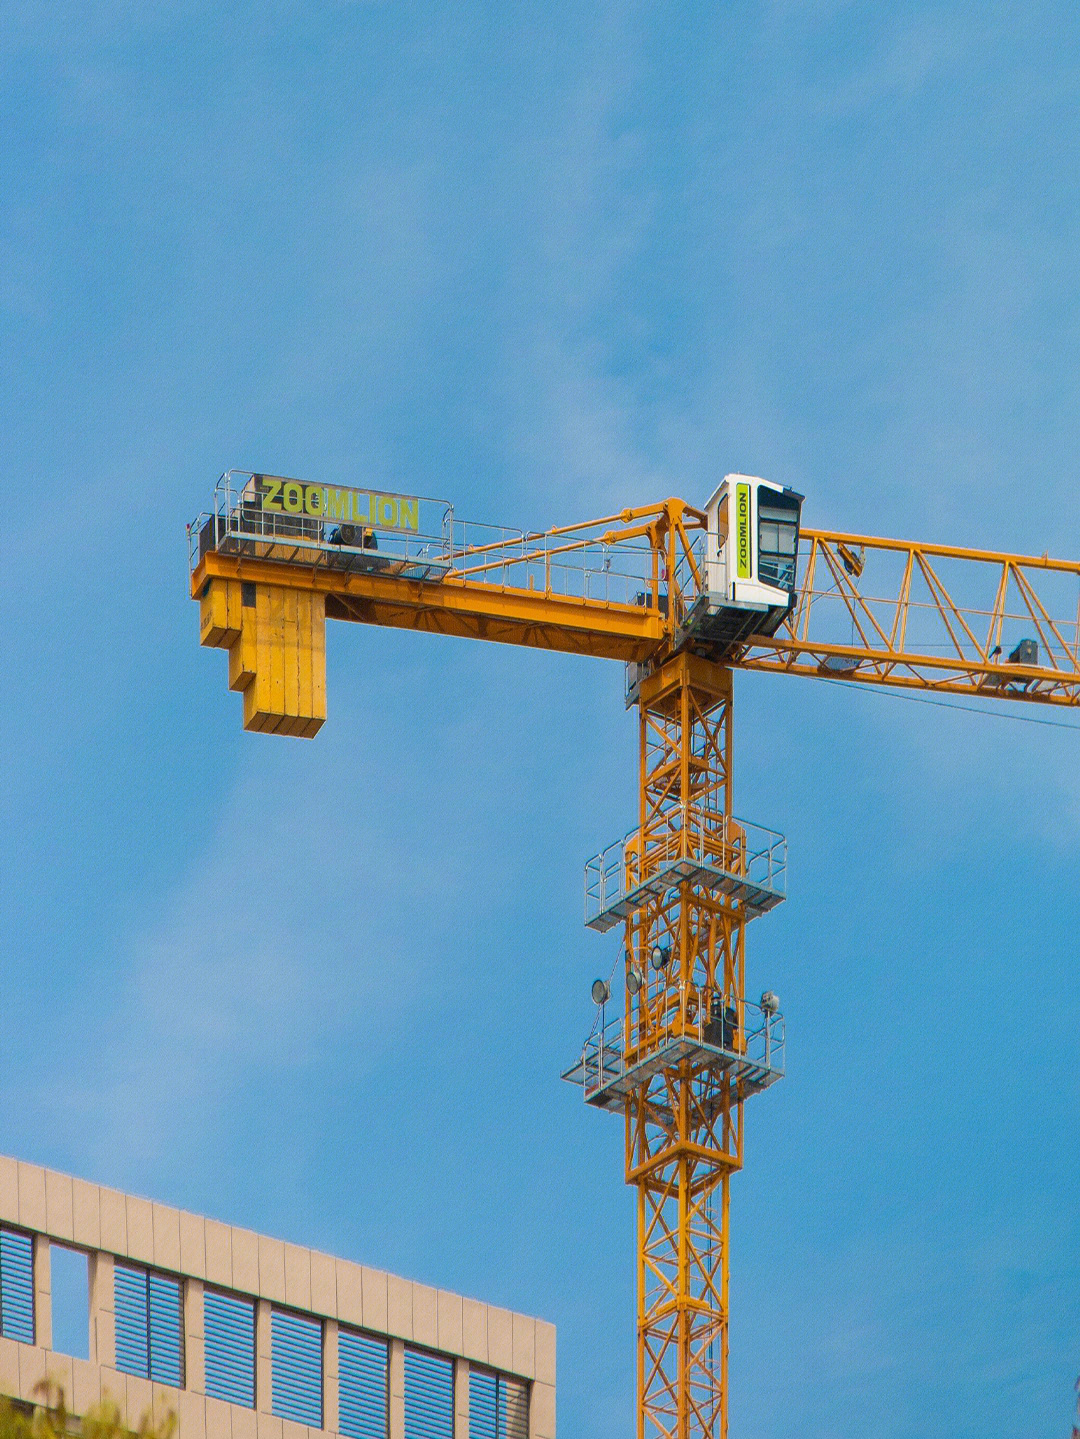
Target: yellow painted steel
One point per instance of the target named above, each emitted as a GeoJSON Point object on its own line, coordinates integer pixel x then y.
{"type": "Point", "coordinates": [286, 691]}
{"type": "Point", "coordinates": [243, 650]}
{"type": "Point", "coordinates": [683, 1130]}
{"type": "Point", "coordinates": [936, 622]}
{"type": "Point", "coordinates": [474, 601]}
{"type": "Point", "coordinates": [959, 647]}
{"type": "Point", "coordinates": [220, 613]}
{"type": "Point", "coordinates": [470, 606]}
{"type": "Point", "coordinates": [277, 652]}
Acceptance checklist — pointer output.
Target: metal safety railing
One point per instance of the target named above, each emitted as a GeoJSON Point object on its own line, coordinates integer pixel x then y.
{"type": "Point", "coordinates": [743, 1038]}
{"type": "Point", "coordinates": [570, 564]}
{"type": "Point", "coordinates": [723, 844]}
{"type": "Point", "coordinates": [294, 521]}
{"type": "Point", "coordinates": [691, 573]}
{"type": "Point", "coordinates": [337, 527]}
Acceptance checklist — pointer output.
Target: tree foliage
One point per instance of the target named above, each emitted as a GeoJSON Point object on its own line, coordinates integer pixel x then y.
{"type": "Point", "coordinates": [51, 1419]}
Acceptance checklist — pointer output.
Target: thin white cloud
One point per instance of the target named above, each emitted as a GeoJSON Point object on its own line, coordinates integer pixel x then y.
{"type": "Point", "coordinates": [907, 60]}
{"type": "Point", "coordinates": [301, 920]}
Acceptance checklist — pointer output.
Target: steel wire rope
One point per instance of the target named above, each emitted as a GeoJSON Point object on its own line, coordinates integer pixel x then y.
{"type": "Point", "coordinates": [945, 705]}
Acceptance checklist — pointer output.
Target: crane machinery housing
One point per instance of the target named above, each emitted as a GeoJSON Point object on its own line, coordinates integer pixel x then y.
{"type": "Point", "coordinates": [683, 596]}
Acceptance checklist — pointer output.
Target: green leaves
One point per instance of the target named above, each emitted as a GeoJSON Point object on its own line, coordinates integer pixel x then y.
{"type": "Point", "coordinates": [52, 1419]}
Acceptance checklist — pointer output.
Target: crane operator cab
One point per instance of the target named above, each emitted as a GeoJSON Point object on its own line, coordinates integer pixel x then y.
{"type": "Point", "coordinates": [751, 559]}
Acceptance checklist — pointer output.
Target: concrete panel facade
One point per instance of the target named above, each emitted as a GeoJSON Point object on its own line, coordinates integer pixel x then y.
{"type": "Point", "coordinates": [199, 1252]}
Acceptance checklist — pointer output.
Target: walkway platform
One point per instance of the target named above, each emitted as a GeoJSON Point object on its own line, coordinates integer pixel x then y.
{"type": "Point", "coordinates": [742, 861]}
{"type": "Point", "coordinates": [753, 1060]}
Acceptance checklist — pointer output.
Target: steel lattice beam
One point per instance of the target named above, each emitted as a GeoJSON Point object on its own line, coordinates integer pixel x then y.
{"type": "Point", "coordinates": [683, 1133]}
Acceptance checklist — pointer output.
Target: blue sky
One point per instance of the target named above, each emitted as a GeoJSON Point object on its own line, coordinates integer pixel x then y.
{"type": "Point", "coordinates": [544, 260]}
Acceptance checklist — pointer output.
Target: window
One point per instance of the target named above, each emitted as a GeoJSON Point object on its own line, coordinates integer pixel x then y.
{"type": "Point", "coordinates": [149, 1325]}
{"type": "Point", "coordinates": [16, 1286]}
{"type": "Point", "coordinates": [498, 1407]}
{"type": "Point", "coordinates": [363, 1385]}
{"type": "Point", "coordinates": [229, 1327]}
{"type": "Point", "coordinates": [778, 539]}
{"type": "Point", "coordinates": [429, 1396]}
{"type": "Point", "coordinates": [70, 1291]}
{"type": "Point", "coordinates": [296, 1367]}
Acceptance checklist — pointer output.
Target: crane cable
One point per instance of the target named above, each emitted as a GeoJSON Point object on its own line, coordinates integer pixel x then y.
{"type": "Point", "coordinates": [946, 705]}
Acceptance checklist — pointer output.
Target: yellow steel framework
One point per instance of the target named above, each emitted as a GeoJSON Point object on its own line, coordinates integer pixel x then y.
{"type": "Point", "coordinates": [683, 1123]}
{"type": "Point", "coordinates": [866, 611]}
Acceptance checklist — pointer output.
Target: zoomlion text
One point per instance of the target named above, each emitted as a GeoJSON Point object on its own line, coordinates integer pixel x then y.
{"type": "Point", "coordinates": [354, 507]}
{"type": "Point", "coordinates": [742, 531]}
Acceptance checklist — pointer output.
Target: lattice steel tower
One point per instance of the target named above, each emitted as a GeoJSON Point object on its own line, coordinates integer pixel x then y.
{"type": "Point", "coordinates": [688, 1048]}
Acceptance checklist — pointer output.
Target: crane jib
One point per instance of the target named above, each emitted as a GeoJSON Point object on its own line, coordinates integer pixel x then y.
{"type": "Point", "coordinates": [873, 611]}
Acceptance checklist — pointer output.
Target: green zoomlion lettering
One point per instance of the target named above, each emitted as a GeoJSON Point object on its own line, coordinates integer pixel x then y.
{"type": "Point", "coordinates": [742, 531]}
{"type": "Point", "coordinates": [337, 504]}
{"type": "Point", "coordinates": [353, 507]}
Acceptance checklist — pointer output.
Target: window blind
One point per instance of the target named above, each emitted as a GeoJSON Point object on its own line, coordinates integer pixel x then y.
{"type": "Point", "coordinates": [16, 1286]}
{"type": "Point", "coordinates": [429, 1396]}
{"type": "Point", "coordinates": [296, 1367]}
{"type": "Point", "coordinates": [362, 1386]}
{"type": "Point", "coordinates": [498, 1406]}
{"type": "Point", "coordinates": [149, 1325]}
{"type": "Point", "coordinates": [229, 1328]}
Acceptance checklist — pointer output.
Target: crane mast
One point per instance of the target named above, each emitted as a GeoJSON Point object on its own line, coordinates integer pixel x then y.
{"type": "Point", "coordinates": [683, 596]}
{"type": "Point", "coordinates": [684, 1118]}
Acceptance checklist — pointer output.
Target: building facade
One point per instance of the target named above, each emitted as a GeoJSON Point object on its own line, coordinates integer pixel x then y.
{"type": "Point", "coordinates": [243, 1336]}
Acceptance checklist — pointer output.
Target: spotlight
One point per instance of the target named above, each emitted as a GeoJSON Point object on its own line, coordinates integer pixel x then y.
{"type": "Point", "coordinates": [769, 1003]}
{"type": "Point", "coordinates": [601, 991]}
{"type": "Point", "coordinates": [1025, 653]}
{"type": "Point", "coordinates": [659, 958]}
{"type": "Point", "coordinates": [633, 981]}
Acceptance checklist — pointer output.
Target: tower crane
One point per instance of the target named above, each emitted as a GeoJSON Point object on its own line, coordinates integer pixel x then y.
{"type": "Point", "coordinates": [684, 596]}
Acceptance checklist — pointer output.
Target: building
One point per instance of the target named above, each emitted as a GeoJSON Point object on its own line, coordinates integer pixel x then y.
{"type": "Point", "coordinates": [244, 1336]}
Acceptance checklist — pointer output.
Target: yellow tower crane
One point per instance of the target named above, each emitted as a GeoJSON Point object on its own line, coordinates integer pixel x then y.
{"type": "Point", "coordinates": [684, 596]}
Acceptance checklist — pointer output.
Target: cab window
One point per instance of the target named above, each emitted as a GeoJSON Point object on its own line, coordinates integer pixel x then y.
{"type": "Point", "coordinates": [778, 540]}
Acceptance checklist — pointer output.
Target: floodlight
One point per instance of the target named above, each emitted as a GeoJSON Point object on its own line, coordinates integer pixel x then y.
{"type": "Point", "coordinates": [633, 981]}
{"type": "Point", "coordinates": [769, 1003]}
{"type": "Point", "coordinates": [659, 957]}
{"type": "Point", "coordinates": [601, 991]}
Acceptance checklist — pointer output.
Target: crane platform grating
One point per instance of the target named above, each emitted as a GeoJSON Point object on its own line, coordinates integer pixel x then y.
{"type": "Point", "coordinates": [750, 1060]}
{"type": "Point", "coordinates": [733, 858]}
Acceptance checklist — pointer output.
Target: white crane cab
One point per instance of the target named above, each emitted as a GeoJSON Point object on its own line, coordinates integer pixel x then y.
{"type": "Point", "coordinates": [751, 558]}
